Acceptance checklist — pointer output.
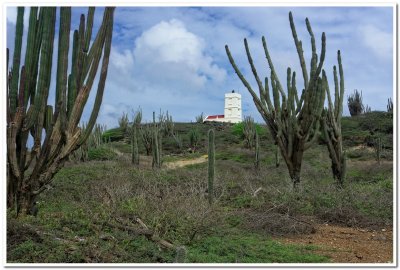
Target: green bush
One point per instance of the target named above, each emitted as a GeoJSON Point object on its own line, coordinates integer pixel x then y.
{"type": "Point", "coordinates": [114, 134]}
{"type": "Point", "coordinates": [237, 129]}
{"type": "Point", "coordinates": [102, 153]}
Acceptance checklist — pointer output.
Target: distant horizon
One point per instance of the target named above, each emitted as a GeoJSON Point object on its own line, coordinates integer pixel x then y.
{"type": "Point", "coordinates": [173, 58]}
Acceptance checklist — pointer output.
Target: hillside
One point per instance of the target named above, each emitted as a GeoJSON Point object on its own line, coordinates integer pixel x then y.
{"type": "Point", "coordinates": [107, 210]}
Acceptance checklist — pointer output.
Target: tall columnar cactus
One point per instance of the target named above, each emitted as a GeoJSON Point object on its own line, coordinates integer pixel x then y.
{"type": "Point", "coordinates": [94, 141]}
{"type": "Point", "coordinates": [249, 131]}
{"type": "Point", "coordinates": [257, 151]}
{"type": "Point", "coordinates": [134, 130]}
{"type": "Point", "coordinates": [156, 144]}
{"type": "Point", "coordinates": [30, 170]}
{"type": "Point", "coordinates": [293, 121]}
{"type": "Point", "coordinates": [123, 121]}
{"type": "Point", "coordinates": [390, 105]}
{"type": "Point", "coordinates": [378, 149]}
{"type": "Point", "coordinates": [146, 132]}
{"type": "Point", "coordinates": [134, 142]}
{"type": "Point", "coordinates": [211, 165]}
{"type": "Point", "coordinates": [332, 126]}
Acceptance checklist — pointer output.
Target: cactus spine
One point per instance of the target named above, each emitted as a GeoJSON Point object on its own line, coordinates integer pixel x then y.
{"type": "Point", "coordinates": [293, 121]}
{"type": "Point", "coordinates": [331, 123]}
{"type": "Point", "coordinates": [28, 92]}
{"type": "Point", "coordinates": [257, 151]}
{"type": "Point", "coordinates": [211, 165]}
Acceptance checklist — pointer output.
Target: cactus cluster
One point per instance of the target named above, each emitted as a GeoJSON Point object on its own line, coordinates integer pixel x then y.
{"type": "Point", "coordinates": [292, 119]}
{"type": "Point", "coordinates": [355, 103]}
{"type": "Point", "coordinates": [28, 87]}
{"type": "Point", "coordinates": [95, 140]}
{"type": "Point", "coordinates": [194, 139]}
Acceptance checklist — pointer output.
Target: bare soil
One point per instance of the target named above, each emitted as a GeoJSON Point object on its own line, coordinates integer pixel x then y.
{"type": "Point", "coordinates": [348, 245]}
{"type": "Point", "coordinates": [183, 163]}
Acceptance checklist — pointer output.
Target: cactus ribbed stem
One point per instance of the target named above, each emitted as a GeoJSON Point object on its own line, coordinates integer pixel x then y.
{"type": "Point", "coordinates": [135, 148]}
{"type": "Point", "coordinates": [211, 165]}
{"type": "Point", "coordinates": [257, 151]}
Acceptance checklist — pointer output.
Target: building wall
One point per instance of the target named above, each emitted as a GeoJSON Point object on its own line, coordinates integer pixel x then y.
{"type": "Point", "coordinates": [233, 108]}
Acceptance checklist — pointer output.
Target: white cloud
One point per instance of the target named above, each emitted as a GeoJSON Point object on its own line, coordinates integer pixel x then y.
{"type": "Point", "coordinates": [169, 52]}
{"type": "Point", "coordinates": [122, 61]}
{"type": "Point", "coordinates": [379, 41]}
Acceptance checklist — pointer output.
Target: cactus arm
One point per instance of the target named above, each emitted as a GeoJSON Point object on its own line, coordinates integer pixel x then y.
{"type": "Point", "coordinates": [299, 49]}
{"type": "Point", "coordinates": [62, 63]}
{"type": "Point", "coordinates": [72, 92]}
{"type": "Point", "coordinates": [22, 86]}
{"type": "Point", "coordinates": [30, 52]}
{"type": "Point", "coordinates": [271, 66]}
{"type": "Point", "coordinates": [253, 69]}
{"type": "Point", "coordinates": [335, 78]}
{"type": "Point", "coordinates": [244, 81]}
{"type": "Point", "coordinates": [89, 28]}
{"type": "Point", "coordinates": [16, 60]}
{"type": "Point", "coordinates": [340, 105]}
{"type": "Point", "coordinates": [81, 55]}
{"type": "Point", "coordinates": [267, 96]}
{"type": "Point", "coordinates": [109, 15]}
{"type": "Point", "coordinates": [322, 57]}
{"type": "Point", "coordinates": [42, 89]}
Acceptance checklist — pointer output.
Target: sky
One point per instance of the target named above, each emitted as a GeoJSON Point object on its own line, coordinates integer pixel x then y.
{"type": "Point", "coordinates": [173, 58]}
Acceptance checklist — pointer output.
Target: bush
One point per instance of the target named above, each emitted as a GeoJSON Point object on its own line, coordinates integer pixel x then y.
{"type": "Point", "coordinates": [114, 134]}
{"type": "Point", "coordinates": [237, 129]}
{"type": "Point", "coordinates": [102, 153]}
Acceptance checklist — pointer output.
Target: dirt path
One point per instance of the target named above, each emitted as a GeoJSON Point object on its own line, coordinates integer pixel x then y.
{"type": "Point", "coordinates": [183, 163]}
{"type": "Point", "coordinates": [348, 245]}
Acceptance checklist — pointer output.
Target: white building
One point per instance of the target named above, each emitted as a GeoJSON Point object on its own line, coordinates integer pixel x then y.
{"type": "Point", "coordinates": [232, 110]}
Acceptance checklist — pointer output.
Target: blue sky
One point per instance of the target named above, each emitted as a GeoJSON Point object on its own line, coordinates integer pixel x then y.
{"type": "Point", "coordinates": [174, 58]}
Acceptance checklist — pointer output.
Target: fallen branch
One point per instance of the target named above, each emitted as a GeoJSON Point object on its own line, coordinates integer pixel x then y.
{"type": "Point", "coordinates": [148, 233]}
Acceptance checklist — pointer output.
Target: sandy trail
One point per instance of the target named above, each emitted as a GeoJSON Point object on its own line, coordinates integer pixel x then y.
{"type": "Point", "coordinates": [183, 163]}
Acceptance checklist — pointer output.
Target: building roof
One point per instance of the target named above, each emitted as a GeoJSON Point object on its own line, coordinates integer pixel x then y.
{"type": "Point", "coordinates": [214, 117]}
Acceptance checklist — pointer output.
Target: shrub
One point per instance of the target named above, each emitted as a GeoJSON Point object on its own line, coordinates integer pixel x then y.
{"type": "Point", "coordinates": [102, 153]}
{"type": "Point", "coordinates": [355, 103]}
{"type": "Point", "coordinates": [114, 134]}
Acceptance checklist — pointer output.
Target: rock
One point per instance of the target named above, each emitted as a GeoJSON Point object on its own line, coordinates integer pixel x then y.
{"type": "Point", "coordinates": [107, 237]}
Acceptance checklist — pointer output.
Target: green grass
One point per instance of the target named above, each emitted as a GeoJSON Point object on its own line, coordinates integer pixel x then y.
{"type": "Point", "coordinates": [240, 247]}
